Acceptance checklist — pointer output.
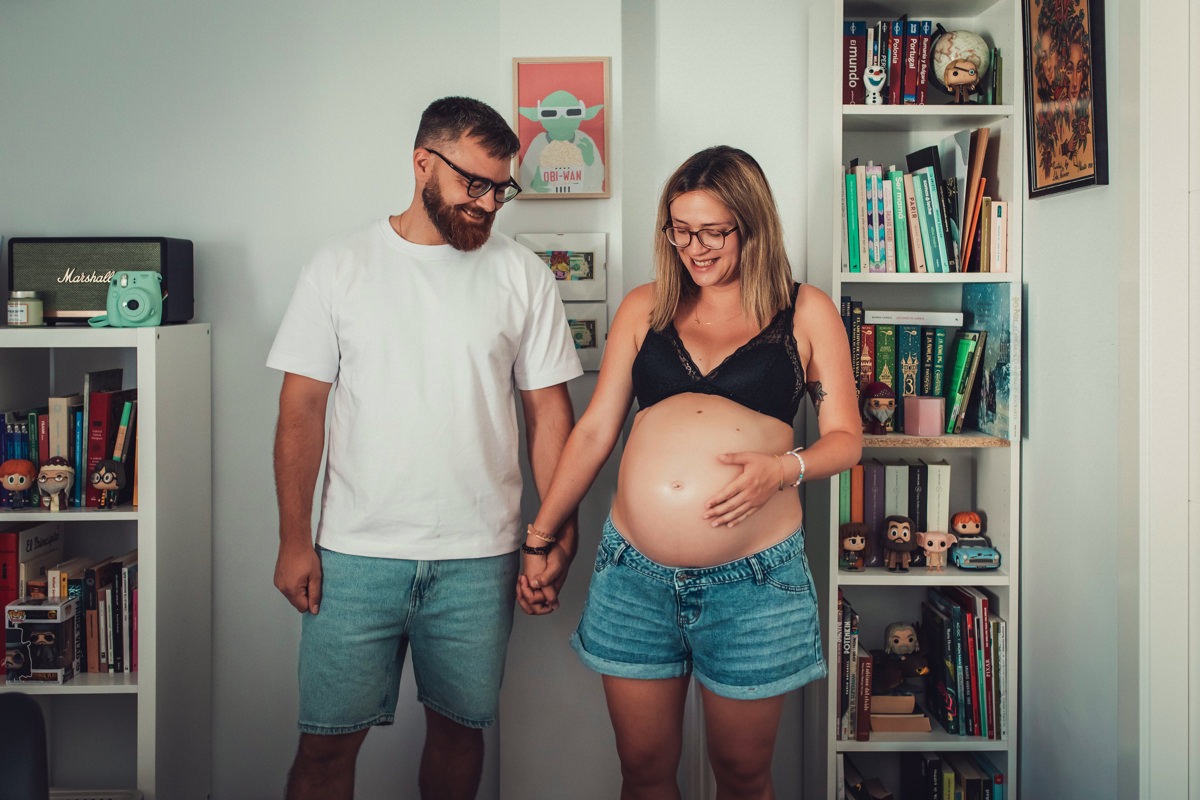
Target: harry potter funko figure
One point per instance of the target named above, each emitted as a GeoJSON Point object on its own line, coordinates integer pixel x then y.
{"type": "Point", "coordinates": [936, 545]}
{"type": "Point", "coordinates": [879, 404]}
{"type": "Point", "coordinates": [55, 479]}
{"type": "Point", "coordinates": [854, 545]}
{"type": "Point", "coordinates": [108, 478]}
{"type": "Point", "coordinates": [18, 477]}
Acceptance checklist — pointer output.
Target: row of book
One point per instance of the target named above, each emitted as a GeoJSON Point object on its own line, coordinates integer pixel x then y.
{"type": "Point", "coordinates": [85, 428]}
{"type": "Point", "coordinates": [966, 641]}
{"type": "Point", "coordinates": [914, 359]}
{"type": "Point", "coordinates": [861, 708]}
{"type": "Point", "coordinates": [923, 353]}
{"type": "Point", "coordinates": [105, 591]}
{"type": "Point", "coordinates": [936, 217]}
{"type": "Point", "coordinates": [873, 490]}
{"type": "Point", "coordinates": [901, 48]}
{"type": "Point", "coordinates": [928, 775]}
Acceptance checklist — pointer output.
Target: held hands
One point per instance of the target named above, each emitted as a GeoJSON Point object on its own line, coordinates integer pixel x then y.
{"type": "Point", "coordinates": [542, 580]}
{"type": "Point", "coordinates": [298, 576]}
{"type": "Point", "coordinates": [746, 493]}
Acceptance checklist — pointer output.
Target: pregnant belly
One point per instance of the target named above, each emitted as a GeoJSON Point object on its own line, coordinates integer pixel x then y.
{"type": "Point", "coordinates": [670, 469]}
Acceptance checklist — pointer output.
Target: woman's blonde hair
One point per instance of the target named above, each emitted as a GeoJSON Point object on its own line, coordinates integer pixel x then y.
{"type": "Point", "coordinates": [734, 178]}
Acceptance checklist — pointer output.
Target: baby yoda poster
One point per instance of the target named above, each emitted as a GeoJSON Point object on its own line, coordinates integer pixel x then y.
{"type": "Point", "coordinates": [561, 114]}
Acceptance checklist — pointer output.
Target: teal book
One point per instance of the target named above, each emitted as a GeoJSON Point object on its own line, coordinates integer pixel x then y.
{"type": "Point", "coordinates": [925, 222]}
{"type": "Point", "coordinates": [988, 307]}
{"type": "Point", "coordinates": [928, 338]}
{"type": "Point", "coordinates": [885, 362]}
{"type": "Point", "coordinates": [939, 362]}
{"type": "Point", "coordinates": [899, 213]}
{"type": "Point", "coordinates": [852, 232]}
{"type": "Point", "coordinates": [933, 209]}
{"type": "Point", "coordinates": [956, 388]}
{"type": "Point", "coordinates": [844, 497]}
{"type": "Point", "coordinates": [908, 364]}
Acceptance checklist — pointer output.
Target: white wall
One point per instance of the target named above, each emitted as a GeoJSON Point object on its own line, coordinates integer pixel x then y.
{"type": "Point", "coordinates": [1078, 273]}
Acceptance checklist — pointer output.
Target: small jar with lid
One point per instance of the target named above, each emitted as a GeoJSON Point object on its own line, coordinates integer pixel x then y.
{"type": "Point", "coordinates": [24, 309]}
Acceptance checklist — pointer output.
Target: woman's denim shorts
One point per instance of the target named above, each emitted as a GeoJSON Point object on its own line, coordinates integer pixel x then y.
{"type": "Point", "coordinates": [747, 629]}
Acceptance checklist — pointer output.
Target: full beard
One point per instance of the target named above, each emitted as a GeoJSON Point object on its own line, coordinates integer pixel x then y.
{"type": "Point", "coordinates": [460, 230]}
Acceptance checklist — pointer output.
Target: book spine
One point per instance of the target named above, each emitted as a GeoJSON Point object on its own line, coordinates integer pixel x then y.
{"type": "Point", "coordinates": [896, 63]}
{"type": "Point", "coordinates": [885, 362]}
{"type": "Point", "coordinates": [889, 227]}
{"type": "Point", "coordinates": [860, 194]}
{"type": "Point", "coordinates": [925, 220]}
{"type": "Point", "coordinates": [899, 219]}
{"type": "Point", "coordinates": [845, 238]}
{"type": "Point", "coordinates": [947, 195]}
{"type": "Point", "coordinates": [912, 59]}
{"type": "Point", "coordinates": [968, 385]}
{"type": "Point", "coordinates": [985, 235]}
{"type": "Point", "coordinates": [857, 493]}
{"type": "Point", "coordinates": [850, 210]}
{"type": "Point", "coordinates": [908, 360]}
{"type": "Point", "coordinates": [939, 362]}
{"type": "Point", "coordinates": [8, 567]}
{"type": "Point", "coordinates": [873, 217]}
{"type": "Point", "coordinates": [956, 388]}
{"type": "Point", "coordinates": [927, 340]}
{"type": "Point", "coordinates": [1000, 236]}
{"type": "Point", "coordinates": [844, 497]}
{"type": "Point", "coordinates": [866, 357]}
{"type": "Point", "coordinates": [81, 476]}
{"type": "Point", "coordinates": [854, 42]}
{"type": "Point", "coordinates": [914, 226]}
{"type": "Point", "coordinates": [862, 731]}
{"type": "Point", "coordinates": [923, 61]}
{"type": "Point", "coordinates": [856, 339]}
{"type": "Point", "coordinates": [933, 207]}
{"type": "Point", "coordinates": [874, 509]}
{"type": "Point", "coordinates": [918, 475]}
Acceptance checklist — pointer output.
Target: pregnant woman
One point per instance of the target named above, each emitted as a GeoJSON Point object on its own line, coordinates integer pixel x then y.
{"type": "Point", "coordinates": [701, 567]}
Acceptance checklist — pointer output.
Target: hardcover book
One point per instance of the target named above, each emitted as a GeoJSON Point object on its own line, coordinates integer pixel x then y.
{"type": "Point", "coordinates": [854, 61]}
{"type": "Point", "coordinates": [916, 240]}
{"type": "Point", "coordinates": [899, 219]}
{"type": "Point", "coordinates": [885, 362]}
{"type": "Point", "coordinates": [908, 363]}
{"type": "Point", "coordinates": [987, 307]}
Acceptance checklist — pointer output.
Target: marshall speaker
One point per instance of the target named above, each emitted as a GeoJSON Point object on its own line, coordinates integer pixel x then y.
{"type": "Point", "coordinates": [72, 274]}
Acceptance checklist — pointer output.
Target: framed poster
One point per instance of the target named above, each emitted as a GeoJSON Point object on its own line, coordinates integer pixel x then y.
{"type": "Point", "coordinates": [561, 107]}
{"type": "Point", "coordinates": [589, 328]}
{"type": "Point", "coordinates": [1065, 110]}
{"type": "Point", "coordinates": [576, 259]}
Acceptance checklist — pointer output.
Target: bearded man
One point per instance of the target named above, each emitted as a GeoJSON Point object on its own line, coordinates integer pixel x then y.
{"type": "Point", "coordinates": [423, 325]}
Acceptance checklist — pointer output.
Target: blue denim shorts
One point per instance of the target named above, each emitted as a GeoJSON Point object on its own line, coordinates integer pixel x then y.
{"type": "Point", "coordinates": [457, 615]}
{"type": "Point", "coordinates": [747, 629]}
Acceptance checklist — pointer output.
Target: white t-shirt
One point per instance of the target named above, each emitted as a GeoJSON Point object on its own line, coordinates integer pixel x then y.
{"type": "Point", "coordinates": [426, 344]}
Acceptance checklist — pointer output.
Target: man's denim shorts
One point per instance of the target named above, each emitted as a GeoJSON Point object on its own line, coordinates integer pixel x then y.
{"type": "Point", "coordinates": [747, 629]}
{"type": "Point", "coordinates": [457, 615]}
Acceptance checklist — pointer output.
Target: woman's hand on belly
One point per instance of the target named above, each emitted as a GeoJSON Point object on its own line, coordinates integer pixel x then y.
{"type": "Point", "coordinates": [757, 483]}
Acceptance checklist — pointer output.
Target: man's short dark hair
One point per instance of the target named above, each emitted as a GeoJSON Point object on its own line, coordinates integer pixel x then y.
{"type": "Point", "coordinates": [448, 119]}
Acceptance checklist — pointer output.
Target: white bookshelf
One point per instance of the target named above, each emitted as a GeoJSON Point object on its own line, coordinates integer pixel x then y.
{"type": "Point", "coordinates": [150, 730]}
{"type": "Point", "coordinates": [985, 472]}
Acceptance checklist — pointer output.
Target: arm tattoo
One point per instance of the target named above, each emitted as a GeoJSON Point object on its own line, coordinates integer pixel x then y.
{"type": "Point", "coordinates": [817, 394]}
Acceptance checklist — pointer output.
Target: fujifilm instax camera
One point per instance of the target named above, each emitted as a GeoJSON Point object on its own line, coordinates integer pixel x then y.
{"type": "Point", "coordinates": [134, 301]}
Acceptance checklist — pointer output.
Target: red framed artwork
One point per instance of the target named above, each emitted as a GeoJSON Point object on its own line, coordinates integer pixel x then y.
{"type": "Point", "coordinates": [561, 107]}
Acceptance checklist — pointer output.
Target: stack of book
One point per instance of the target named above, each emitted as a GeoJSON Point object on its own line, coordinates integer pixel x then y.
{"type": "Point", "coordinates": [946, 776]}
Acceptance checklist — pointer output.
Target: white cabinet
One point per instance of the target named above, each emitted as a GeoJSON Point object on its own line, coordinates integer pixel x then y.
{"type": "Point", "coordinates": [151, 729]}
{"type": "Point", "coordinates": [985, 470]}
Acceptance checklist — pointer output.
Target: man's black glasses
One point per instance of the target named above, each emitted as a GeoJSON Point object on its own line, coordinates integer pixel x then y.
{"type": "Point", "coordinates": [478, 187]}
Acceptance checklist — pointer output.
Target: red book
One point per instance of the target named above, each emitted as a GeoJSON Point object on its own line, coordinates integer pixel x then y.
{"type": "Point", "coordinates": [854, 61]}
{"type": "Point", "coordinates": [104, 414]}
{"type": "Point", "coordinates": [912, 59]}
{"type": "Point", "coordinates": [8, 567]}
{"type": "Point", "coordinates": [896, 63]}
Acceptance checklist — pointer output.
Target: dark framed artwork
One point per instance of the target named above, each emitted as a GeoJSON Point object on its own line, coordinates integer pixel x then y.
{"type": "Point", "coordinates": [1065, 112]}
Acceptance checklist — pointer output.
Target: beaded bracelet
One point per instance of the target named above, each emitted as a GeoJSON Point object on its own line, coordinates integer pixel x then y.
{"type": "Point", "coordinates": [795, 452]}
{"type": "Point", "coordinates": [540, 534]}
{"type": "Point", "coordinates": [537, 551]}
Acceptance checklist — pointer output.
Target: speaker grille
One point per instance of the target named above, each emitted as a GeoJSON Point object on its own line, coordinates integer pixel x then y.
{"type": "Point", "coordinates": [73, 276]}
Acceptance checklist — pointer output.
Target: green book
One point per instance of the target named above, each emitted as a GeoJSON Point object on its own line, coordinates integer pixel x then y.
{"type": "Point", "coordinates": [957, 387]}
{"type": "Point", "coordinates": [900, 213]}
{"type": "Point", "coordinates": [852, 223]}
{"type": "Point", "coordinates": [928, 337]}
{"type": "Point", "coordinates": [925, 222]}
{"type": "Point", "coordinates": [844, 497]}
{"type": "Point", "coordinates": [908, 365]}
{"type": "Point", "coordinates": [939, 362]}
{"type": "Point", "coordinates": [933, 205]}
{"type": "Point", "coordinates": [885, 364]}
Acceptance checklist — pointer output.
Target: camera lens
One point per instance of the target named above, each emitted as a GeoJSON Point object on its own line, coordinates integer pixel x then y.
{"type": "Point", "coordinates": [132, 305]}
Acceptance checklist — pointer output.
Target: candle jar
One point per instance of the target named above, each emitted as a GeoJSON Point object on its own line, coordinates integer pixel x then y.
{"type": "Point", "coordinates": [24, 309]}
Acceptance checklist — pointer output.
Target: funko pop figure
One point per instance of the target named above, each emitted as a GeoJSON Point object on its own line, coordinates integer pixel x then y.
{"type": "Point", "coordinates": [854, 544]}
{"type": "Point", "coordinates": [55, 479]}
{"type": "Point", "coordinates": [108, 478]}
{"type": "Point", "coordinates": [899, 542]}
{"type": "Point", "coordinates": [900, 660]}
{"type": "Point", "coordinates": [18, 477]}
{"type": "Point", "coordinates": [936, 545]}
{"type": "Point", "coordinates": [966, 523]}
{"type": "Point", "coordinates": [879, 404]}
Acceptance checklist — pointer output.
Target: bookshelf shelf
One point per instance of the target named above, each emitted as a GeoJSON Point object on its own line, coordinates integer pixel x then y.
{"type": "Point", "coordinates": [964, 439]}
{"type": "Point", "coordinates": [985, 470]}
{"type": "Point", "coordinates": [157, 722]}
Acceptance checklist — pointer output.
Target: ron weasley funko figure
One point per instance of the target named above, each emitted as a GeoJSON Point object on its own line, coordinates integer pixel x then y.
{"type": "Point", "coordinates": [936, 545]}
{"type": "Point", "coordinates": [966, 523]}
{"type": "Point", "coordinates": [854, 543]}
{"type": "Point", "coordinates": [18, 477]}
{"type": "Point", "coordinates": [899, 542]}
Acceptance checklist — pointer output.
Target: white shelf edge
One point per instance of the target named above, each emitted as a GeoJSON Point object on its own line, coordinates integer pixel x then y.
{"type": "Point", "coordinates": [85, 683]}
